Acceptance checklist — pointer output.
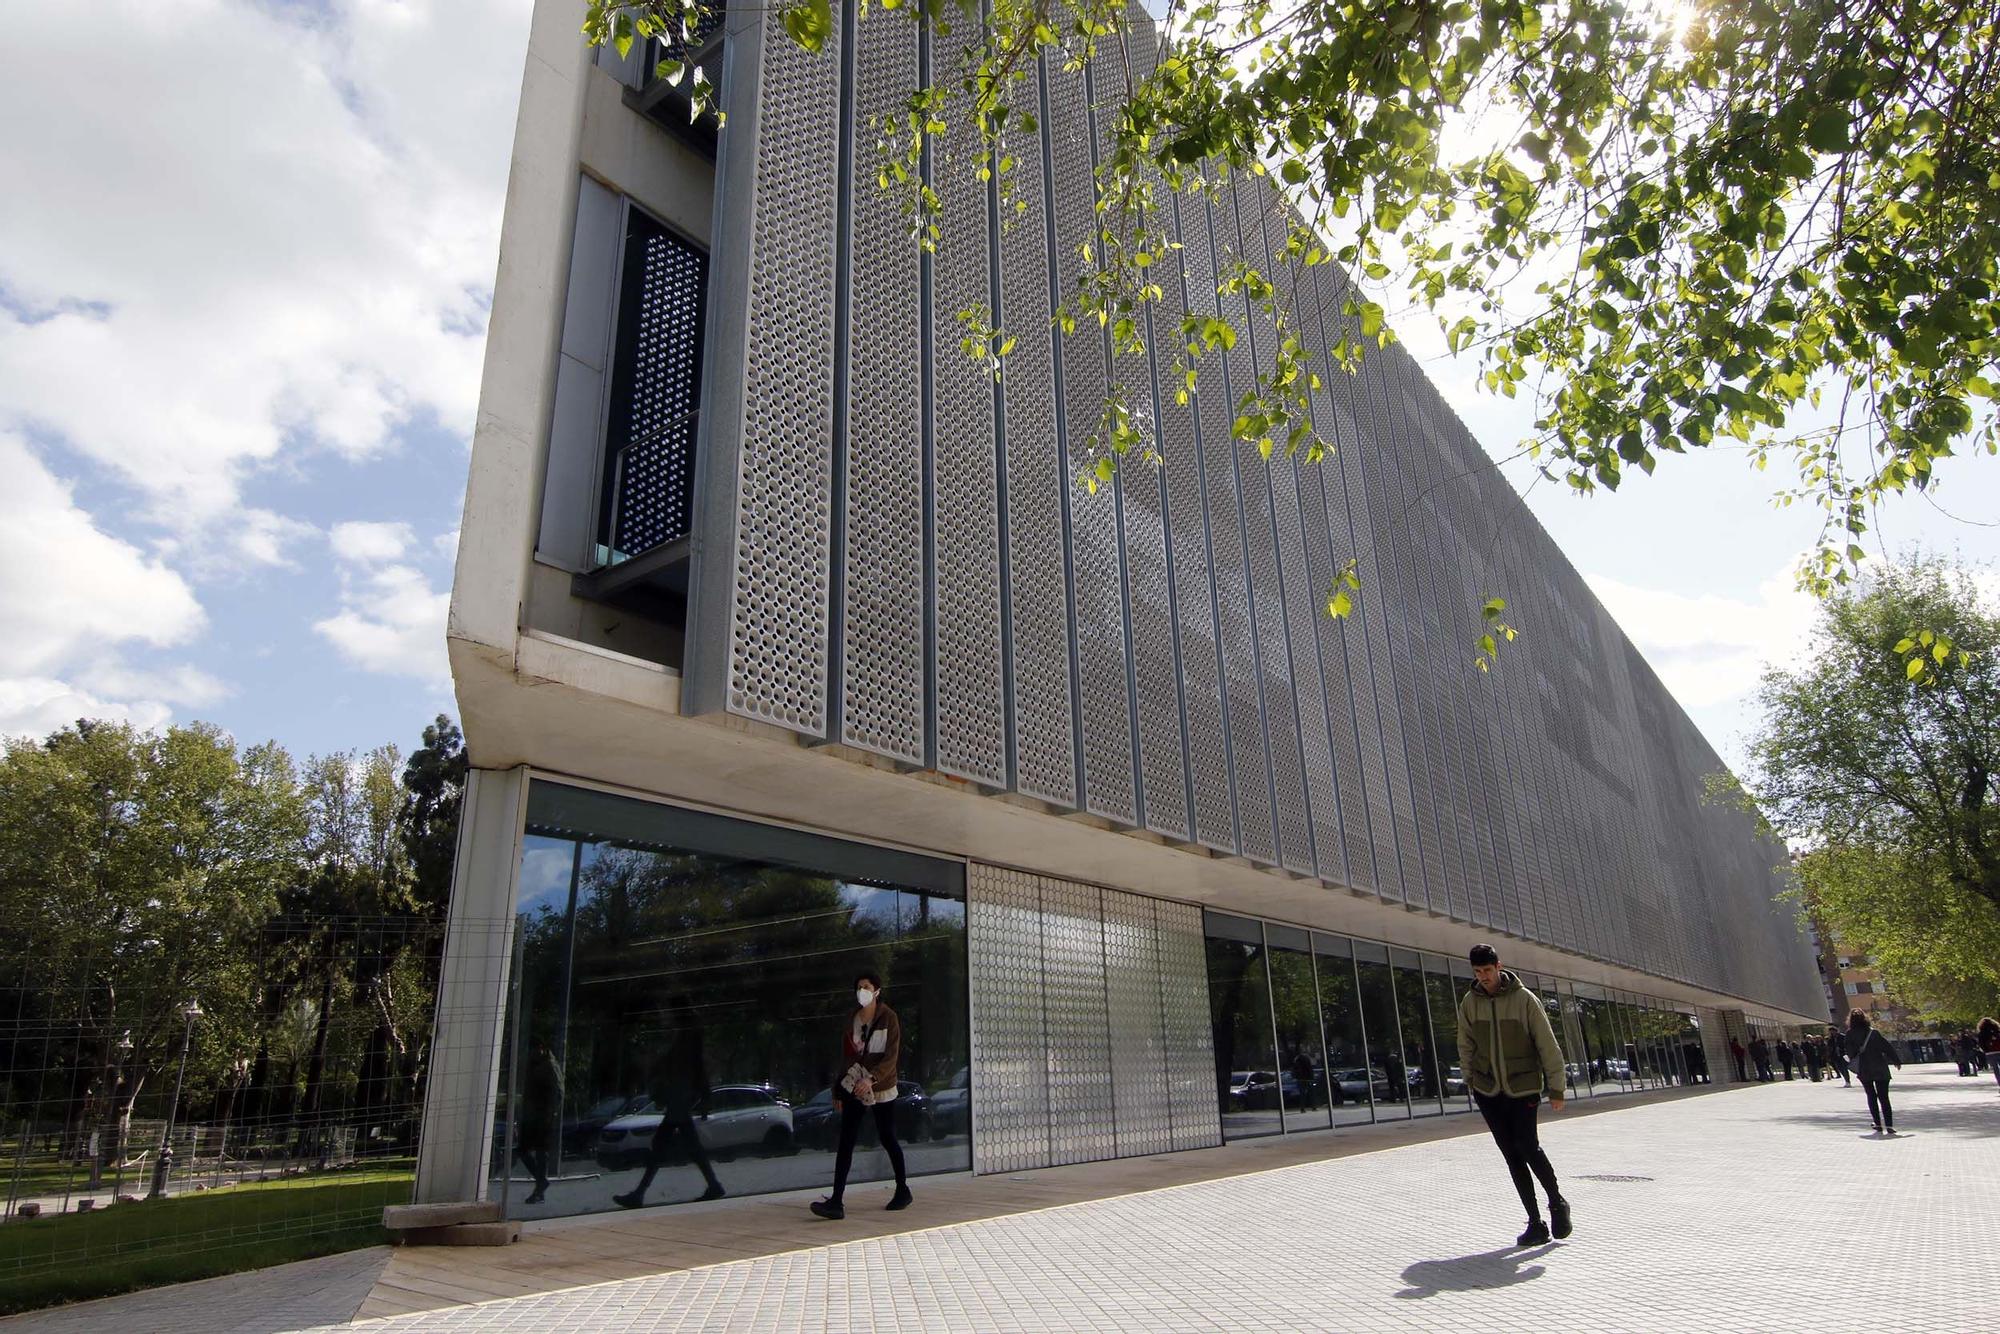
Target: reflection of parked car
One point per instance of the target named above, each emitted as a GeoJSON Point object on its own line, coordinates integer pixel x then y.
{"type": "Point", "coordinates": [1354, 1083]}
{"type": "Point", "coordinates": [1260, 1090]}
{"type": "Point", "coordinates": [1454, 1083]}
{"type": "Point", "coordinates": [732, 1118]}
{"type": "Point", "coordinates": [579, 1133]}
{"type": "Point", "coordinates": [817, 1123]}
{"type": "Point", "coordinates": [951, 1106]}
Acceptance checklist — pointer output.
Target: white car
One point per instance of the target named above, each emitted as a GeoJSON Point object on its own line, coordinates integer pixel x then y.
{"type": "Point", "coordinates": [731, 1119]}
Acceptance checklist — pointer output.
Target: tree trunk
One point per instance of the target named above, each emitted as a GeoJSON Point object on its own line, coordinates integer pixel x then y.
{"type": "Point", "coordinates": [316, 1071]}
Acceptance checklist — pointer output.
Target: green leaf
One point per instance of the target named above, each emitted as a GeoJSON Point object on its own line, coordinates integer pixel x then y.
{"type": "Point", "coordinates": [1828, 130]}
{"type": "Point", "coordinates": [809, 23]}
{"type": "Point", "coordinates": [1915, 669]}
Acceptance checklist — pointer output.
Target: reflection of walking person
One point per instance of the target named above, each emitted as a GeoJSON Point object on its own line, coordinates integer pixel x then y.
{"type": "Point", "coordinates": [870, 1047]}
{"type": "Point", "coordinates": [541, 1107]}
{"type": "Point", "coordinates": [1872, 1053]}
{"type": "Point", "coordinates": [1510, 1058]}
{"type": "Point", "coordinates": [680, 1082]}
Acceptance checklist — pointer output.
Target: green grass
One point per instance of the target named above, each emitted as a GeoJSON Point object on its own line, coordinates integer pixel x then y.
{"type": "Point", "coordinates": [74, 1257]}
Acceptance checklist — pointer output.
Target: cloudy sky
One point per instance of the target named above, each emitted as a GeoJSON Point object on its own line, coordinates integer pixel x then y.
{"type": "Point", "coordinates": [246, 251]}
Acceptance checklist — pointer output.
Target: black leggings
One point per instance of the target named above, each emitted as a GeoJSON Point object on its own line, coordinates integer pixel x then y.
{"type": "Point", "coordinates": [1877, 1089]}
{"type": "Point", "coordinates": [1512, 1121]}
{"type": "Point", "coordinates": [851, 1113]}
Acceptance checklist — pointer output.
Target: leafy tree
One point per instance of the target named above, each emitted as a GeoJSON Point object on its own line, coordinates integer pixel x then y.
{"type": "Point", "coordinates": [1768, 226]}
{"type": "Point", "coordinates": [135, 872]}
{"type": "Point", "coordinates": [1889, 780]}
{"type": "Point", "coordinates": [433, 791]}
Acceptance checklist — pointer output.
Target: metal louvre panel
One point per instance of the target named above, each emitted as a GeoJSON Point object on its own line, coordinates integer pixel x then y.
{"type": "Point", "coordinates": [1010, 1089]}
{"type": "Point", "coordinates": [1402, 453]}
{"type": "Point", "coordinates": [1389, 501]}
{"type": "Point", "coordinates": [1044, 752]}
{"type": "Point", "coordinates": [1096, 562]}
{"type": "Point", "coordinates": [1194, 594]}
{"type": "Point", "coordinates": [1387, 593]}
{"type": "Point", "coordinates": [1237, 218]}
{"type": "Point", "coordinates": [1350, 538]}
{"type": "Point", "coordinates": [1082, 1110]}
{"type": "Point", "coordinates": [781, 552]}
{"type": "Point", "coordinates": [1303, 606]}
{"type": "Point", "coordinates": [965, 500]}
{"type": "Point", "coordinates": [1202, 223]}
{"type": "Point", "coordinates": [1135, 1003]}
{"type": "Point", "coordinates": [1143, 506]}
{"type": "Point", "coordinates": [1445, 658]}
{"type": "Point", "coordinates": [1197, 1121]}
{"type": "Point", "coordinates": [882, 670]}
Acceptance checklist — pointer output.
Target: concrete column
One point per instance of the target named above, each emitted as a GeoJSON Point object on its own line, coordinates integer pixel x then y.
{"type": "Point", "coordinates": [457, 1135]}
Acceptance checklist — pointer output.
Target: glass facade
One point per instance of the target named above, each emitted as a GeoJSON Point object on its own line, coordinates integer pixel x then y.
{"type": "Point", "coordinates": [1313, 1030]}
{"type": "Point", "coordinates": [679, 991]}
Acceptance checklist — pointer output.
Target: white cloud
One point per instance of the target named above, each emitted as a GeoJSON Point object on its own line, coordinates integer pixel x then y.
{"type": "Point", "coordinates": [370, 543]}
{"type": "Point", "coordinates": [70, 596]}
{"type": "Point", "coordinates": [1709, 647]}
{"type": "Point", "coordinates": [289, 249]}
{"type": "Point", "coordinates": [38, 705]}
{"type": "Point", "coordinates": [390, 620]}
{"type": "Point", "coordinates": [68, 588]}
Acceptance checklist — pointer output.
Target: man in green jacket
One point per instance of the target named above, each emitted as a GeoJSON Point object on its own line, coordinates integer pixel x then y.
{"type": "Point", "coordinates": [1510, 1058]}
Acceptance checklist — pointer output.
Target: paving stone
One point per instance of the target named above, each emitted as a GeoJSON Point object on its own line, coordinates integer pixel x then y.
{"type": "Point", "coordinates": [1740, 1210]}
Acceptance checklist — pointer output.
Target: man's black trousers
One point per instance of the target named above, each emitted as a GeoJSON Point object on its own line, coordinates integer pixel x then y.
{"type": "Point", "coordinates": [1512, 1121]}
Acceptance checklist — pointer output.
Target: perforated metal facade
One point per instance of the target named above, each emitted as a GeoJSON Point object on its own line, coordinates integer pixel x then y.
{"type": "Point", "coordinates": [1156, 652]}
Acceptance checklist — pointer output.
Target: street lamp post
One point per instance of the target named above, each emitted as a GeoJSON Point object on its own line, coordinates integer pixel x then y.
{"type": "Point", "coordinates": [163, 1164]}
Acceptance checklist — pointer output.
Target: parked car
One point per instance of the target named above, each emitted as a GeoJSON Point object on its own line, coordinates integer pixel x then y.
{"type": "Point", "coordinates": [733, 1118]}
{"type": "Point", "coordinates": [817, 1123]}
{"type": "Point", "coordinates": [951, 1106]}
{"type": "Point", "coordinates": [579, 1133]}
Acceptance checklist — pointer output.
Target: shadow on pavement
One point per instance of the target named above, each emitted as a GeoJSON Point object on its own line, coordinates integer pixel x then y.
{"type": "Point", "coordinates": [1470, 1273]}
{"type": "Point", "coordinates": [1972, 1118]}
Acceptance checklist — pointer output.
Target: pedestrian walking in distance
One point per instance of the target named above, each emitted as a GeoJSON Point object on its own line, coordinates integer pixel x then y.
{"type": "Point", "coordinates": [870, 1047]}
{"type": "Point", "coordinates": [1737, 1052]}
{"type": "Point", "coordinates": [1989, 1042]}
{"type": "Point", "coordinates": [1836, 1055]}
{"type": "Point", "coordinates": [1510, 1058]}
{"type": "Point", "coordinates": [1872, 1055]}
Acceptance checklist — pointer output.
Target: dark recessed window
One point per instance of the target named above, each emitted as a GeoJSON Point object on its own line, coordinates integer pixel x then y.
{"type": "Point", "coordinates": [655, 392]}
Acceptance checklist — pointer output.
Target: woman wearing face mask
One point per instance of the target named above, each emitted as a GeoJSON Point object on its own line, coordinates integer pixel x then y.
{"type": "Point", "coordinates": [870, 1044]}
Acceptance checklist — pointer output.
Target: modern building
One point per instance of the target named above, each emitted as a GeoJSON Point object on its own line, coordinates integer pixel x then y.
{"type": "Point", "coordinates": [787, 644]}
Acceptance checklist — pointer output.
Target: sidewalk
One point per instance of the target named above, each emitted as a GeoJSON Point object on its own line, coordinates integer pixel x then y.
{"type": "Point", "coordinates": [1756, 1209]}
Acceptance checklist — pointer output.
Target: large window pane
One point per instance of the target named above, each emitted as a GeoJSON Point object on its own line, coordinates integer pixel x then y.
{"type": "Point", "coordinates": [1387, 1070]}
{"type": "Point", "coordinates": [675, 1006]}
{"type": "Point", "coordinates": [1295, 1011]}
{"type": "Point", "coordinates": [1420, 1054]}
{"type": "Point", "coordinates": [1348, 1086]}
{"type": "Point", "coordinates": [1247, 1085]}
{"type": "Point", "coordinates": [1444, 1026]}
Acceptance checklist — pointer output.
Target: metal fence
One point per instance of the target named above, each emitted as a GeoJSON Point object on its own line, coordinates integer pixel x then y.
{"type": "Point", "coordinates": [166, 1118]}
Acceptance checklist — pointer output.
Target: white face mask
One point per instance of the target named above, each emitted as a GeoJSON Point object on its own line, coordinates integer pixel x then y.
{"type": "Point", "coordinates": [864, 997]}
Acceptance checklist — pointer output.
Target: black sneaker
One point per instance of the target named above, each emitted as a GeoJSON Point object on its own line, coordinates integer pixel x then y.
{"type": "Point", "coordinates": [629, 1200]}
{"type": "Point", "coordinates": [900, 1200]}
{"type": "Point", "coordinates": [714, 1192]}
{"type": "Point", "coordinates": [1536, 1235]}
{"type": "Point", "coordinates": [1559, 1218]}
{"type": "Point", "coordinates": [828, 1208]}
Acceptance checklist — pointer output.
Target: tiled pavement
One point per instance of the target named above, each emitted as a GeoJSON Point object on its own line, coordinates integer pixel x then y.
{"type": "Point", "coordinates": [1764, 1208]}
